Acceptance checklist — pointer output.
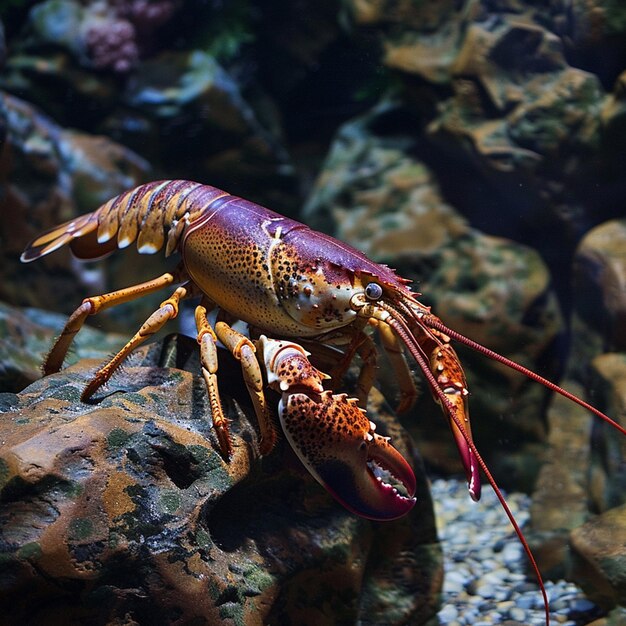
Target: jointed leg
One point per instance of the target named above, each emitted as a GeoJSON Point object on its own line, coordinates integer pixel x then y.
{"type": "Point", "coordinates": [208, 360]}
{"type": "Point", "coordinates": [363, 345]}
{"type": "Point", "coordinates": [340, 367]}
{"type": "Point", "coordinates": [168, 310]}
{"type": "Point", "coordinates": [91, 306]}
{"type": "Point", "coordinates": [393, 349]}
{"type": "Point", "coordinates": [367, 375]}
{"type": "Point", "coordinates": [244, 351]}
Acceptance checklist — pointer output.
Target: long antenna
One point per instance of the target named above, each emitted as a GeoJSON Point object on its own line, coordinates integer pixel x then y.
{"type": "Point", "coordinates": [398, 324]}
{"type": "Point", "coordinates": [433, 322]}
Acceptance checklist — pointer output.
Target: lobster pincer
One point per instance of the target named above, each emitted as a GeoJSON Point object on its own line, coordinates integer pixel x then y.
{"type": "Point", "coordinates": [334, 438]}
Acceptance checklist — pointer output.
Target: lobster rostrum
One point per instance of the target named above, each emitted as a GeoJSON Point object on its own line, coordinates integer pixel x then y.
{"type": "Point", "coordinates": [286, 281]}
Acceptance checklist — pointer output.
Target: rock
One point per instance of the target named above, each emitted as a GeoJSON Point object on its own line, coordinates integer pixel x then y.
{"type": "Point", "coordinates": [119, 68]}
{"type": "Point", "coordinates": [418, 38]}
{"type": "Point", "coordinates": [560, 500]}
{"type": "Point", "coordinates": [376, 194]}
{"type": "Point", "coordinates": [3, 49]}
{"type": "Point", "coordinates": [50, 65]}
{"type": "Point", "coordinates": [517, 124]}
{"type": "Point", "coordinates": [599, 557]}
{"type": "Point", "coordinates": [600, 285]}
{"type": "Point", "coordinates": [52, 175]}
{"type": "Point", "coordinates": [27, 336]}
{"type": "Point", "coordinates": [516, 108]}
{"type": "Point", "coordinates": [593, 33]}
{"type": "Point", "coordinates": [187, 113]}
{"type": "Point", "coordinates": [122, 510]}
{"type": "Point", "coordinates": [608, 469]}
{"type": "Point", "coordinates": [102, 35]}
{"type": "Point", "coordinates": [616, 617]}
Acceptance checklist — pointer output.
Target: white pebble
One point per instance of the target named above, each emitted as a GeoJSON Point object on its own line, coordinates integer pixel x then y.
{"type": "Point", "coordinates": [518, 614]}
{"type": "Point", "coordinates": [448, 614]}
{"type": "Point", "coordinates": [485, 581]}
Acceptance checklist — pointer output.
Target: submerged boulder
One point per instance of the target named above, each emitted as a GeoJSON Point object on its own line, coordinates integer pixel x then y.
{"type": "Point", "coordinates": [123, 509]}
{"type": "Point", "coordinates": [599, 557]}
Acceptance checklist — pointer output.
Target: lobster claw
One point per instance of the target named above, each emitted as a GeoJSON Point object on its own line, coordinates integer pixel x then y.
{"type": "Point", "coordinates": [336, 442]}
{"type": "Point", "coordinates": [334, 439]}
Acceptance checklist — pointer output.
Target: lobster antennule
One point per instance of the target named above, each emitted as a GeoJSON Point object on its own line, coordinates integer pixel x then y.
{"type": "Point", "coordinates": [433, 322]}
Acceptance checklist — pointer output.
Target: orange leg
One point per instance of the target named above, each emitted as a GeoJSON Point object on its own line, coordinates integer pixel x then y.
{"type": "Point", "coordinates": [244, 351]}
{"type": "Point", "coordinates": [363, 345]}
{"type": "Point", "coordinates": [367, 374]}
{"type": "Point", "coordinates": [91, 306]}
{"type": "Point", "coordinates": [168, 310]}
{"type": "Point", "coordinates": [393, 349]}
{"type": "Point", "coordinates": [340, 368]}
{"type": "Point", "coordinates": [207, 341]}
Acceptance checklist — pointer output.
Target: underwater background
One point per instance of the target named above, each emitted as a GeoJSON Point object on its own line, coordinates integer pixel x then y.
{"type": "Point", "coordinates": [478, 147]}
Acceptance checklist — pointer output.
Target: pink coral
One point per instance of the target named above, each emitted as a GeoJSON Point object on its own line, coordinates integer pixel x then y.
{"type": "Point", "coordinates": [144, 14]}
{"type": "Point", "coordinates": [112, 45]}
{"type": "Point", "coordinates": [117, 32]}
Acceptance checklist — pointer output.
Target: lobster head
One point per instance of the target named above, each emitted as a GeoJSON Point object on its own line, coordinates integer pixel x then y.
{"type": "Point", "coordinates": [336, 442]}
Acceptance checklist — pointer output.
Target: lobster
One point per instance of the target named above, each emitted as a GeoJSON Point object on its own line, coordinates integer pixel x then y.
{"type": "Point", "coordinates": [281, 279]}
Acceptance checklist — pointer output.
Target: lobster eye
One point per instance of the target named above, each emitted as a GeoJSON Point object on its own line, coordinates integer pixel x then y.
{"type": "Point", "coordinates": [373, 291]}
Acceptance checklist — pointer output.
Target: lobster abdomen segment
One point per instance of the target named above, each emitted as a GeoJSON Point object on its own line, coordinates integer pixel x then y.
{"type": "Point", "coordinates": [149, 214]}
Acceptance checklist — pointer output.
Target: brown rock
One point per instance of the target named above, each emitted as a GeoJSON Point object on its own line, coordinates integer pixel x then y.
{"type": "Point", "coordinates": [560, 501]}
{"type": "Point", "coordinates": [599, 557]}
{"type": "Point", "coordinates": [608, 470]}
{"type": "Point", "coordinates": [61, 174]}
{"type": "Point", "coordinates": [600, 282]}
{"type": "Point", "coordinates": [422, 38]}
{"type": "Point", "coordinates": [122, 511]}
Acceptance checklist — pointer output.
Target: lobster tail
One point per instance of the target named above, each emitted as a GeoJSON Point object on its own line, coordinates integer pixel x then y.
{"type": "Point", "coordinates": [58, 236]}
{"type": "Point", "coordinates": [149, 214]}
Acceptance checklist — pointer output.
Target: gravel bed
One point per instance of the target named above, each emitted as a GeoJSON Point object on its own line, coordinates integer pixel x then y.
{"type": "Point", "coordinates": [485, 581]}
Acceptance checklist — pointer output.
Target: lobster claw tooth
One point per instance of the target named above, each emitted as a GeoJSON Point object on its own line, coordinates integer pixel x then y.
{"type": "Point", "coordinates": [334, 440]}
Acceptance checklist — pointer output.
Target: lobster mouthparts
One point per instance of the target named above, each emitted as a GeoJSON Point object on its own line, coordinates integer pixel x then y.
{"type": "Point", "coordinates": [336, 442]}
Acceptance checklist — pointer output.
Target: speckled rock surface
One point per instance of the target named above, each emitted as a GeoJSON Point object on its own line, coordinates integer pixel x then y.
{"type": "Point", "coordinates": [123, 510]}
